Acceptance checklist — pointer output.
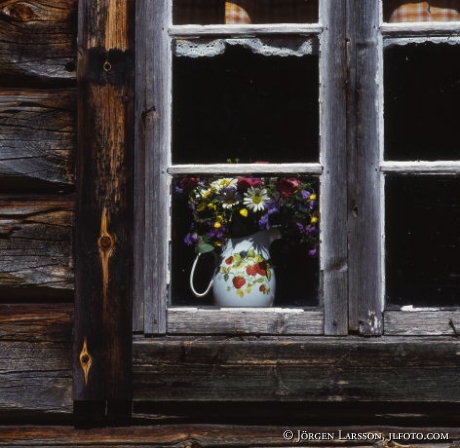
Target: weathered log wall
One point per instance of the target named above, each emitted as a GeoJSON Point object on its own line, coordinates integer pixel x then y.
{"type": "Point", "coordinates": [38, 108]}
{"type": "Point", "coordinates": [38, 140]}
{"type": "Point", "coordinates": [35, 362]}
{"type": "Point", "coordinates": [37, 41]}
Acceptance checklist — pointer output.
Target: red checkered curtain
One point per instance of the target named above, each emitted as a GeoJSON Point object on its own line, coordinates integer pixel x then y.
{"type": "Point", "coordinates": [422, 11]}
{"type": "Point", "coordinates": [206, 12]}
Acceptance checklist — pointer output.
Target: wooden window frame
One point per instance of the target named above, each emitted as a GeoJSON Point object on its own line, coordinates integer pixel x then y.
{"type": "Point", "coordinates": [352, 283]}
{"type": "Point", "coordinates": [429, 321]}
{"type": "Point", "coordinates": [152, 315]}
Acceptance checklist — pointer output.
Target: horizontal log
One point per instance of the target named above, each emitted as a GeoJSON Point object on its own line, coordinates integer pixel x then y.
{"type": "Point", "coordinates": [195, 436]}
{"type": "Point", "coordinates": [36, 247]}
{"type": "Point", "coordinates": [38, 40]}
{"type": "Point", "coordinates": [36, 323]}
{"type": "Point", "coordinates": [297, 369]}
{"type": "Point", "coordinates": [35, 360]}
{"type": "Point", "coordinates": [38, 143]}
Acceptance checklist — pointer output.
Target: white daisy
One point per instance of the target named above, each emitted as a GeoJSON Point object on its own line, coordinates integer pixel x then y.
{"type": "Point", "coordinates": [230, 198]}
{"type": "Point", "coordinates": [225, 182]}
{"type": "Point", "coordinates": [256, 198]}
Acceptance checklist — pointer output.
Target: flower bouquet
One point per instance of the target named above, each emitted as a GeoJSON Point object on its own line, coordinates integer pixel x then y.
{"type": "Point", "coordinates": [229, 207]}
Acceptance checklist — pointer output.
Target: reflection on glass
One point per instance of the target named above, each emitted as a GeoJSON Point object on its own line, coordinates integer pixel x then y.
{"type": "Point", "coordinates": [207, 12]}
{"type": "Point", "coordinates": [422, 97]}
{"type": "Point", "coordinates": [423, 240]}
{"type": "Point", "coordinates": [421, 11]}
{"type": "Point", "coordinates": [294, 213]}
{"type": "Point", "coordinates": [245, 99]}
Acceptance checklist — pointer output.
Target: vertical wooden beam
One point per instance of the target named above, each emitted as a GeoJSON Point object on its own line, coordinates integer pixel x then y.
{"type": "Point", "coordinates": [333, 192]}
{"type": "Point", "coordinates": [103, 248]}
{"type": "Point", "coordinates": [157, 144]}
{"type": "Point", "coordinates": [364, 206]}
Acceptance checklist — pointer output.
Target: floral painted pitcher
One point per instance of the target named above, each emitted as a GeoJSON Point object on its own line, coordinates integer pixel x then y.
{"type": "Point", "coordinates": [244, 276]}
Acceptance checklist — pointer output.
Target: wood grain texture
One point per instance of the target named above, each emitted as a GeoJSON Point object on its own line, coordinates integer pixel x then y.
{"type": "Point", "coordinates": [37, 40]}
{"type": "Point", "coordinates": [421, 323]}
{"type": "Point", "coordinates": [346, 369]}
{"type": "Point", "coordinates": [38, 144]}
{"type": "Point", "coordinates": [189, 320]}
{"type": "Point", "coordinates": [333, 194]}
{"type": "Point", "coordinates": [35, 360]}
{"type": "Point", "coordinates": [103, 248]}
{"type": "Point", "coordinates": [364, 204]}
{"type": "Point", "coordinates": [196, 436]}
{"type": "Point", "coordinates": [36, 246]}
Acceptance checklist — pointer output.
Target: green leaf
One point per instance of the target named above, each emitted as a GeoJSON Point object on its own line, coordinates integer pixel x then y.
{"type": "Point", "coordinates": [202, 248]}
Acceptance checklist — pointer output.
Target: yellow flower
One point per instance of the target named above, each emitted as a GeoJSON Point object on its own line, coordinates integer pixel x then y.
{"type": "Point", "coordinates": [314, 220]}
{"type": "Point", "coordinates": [312, 197]}
{"type": "Point", "coordinates": [201, 206]}
{"type": "Point", "coordinates": [211, 206]}
{"type": "Point", "coordinates": [244, 212]}
{"type": "Point", "coordinates": [217, 225]}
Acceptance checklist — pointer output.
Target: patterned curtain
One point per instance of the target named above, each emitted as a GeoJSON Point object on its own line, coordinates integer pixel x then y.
{"type": "Point", "coordinates": [244, 11]}
{"type": "Point", "coordinates": [422, 11]}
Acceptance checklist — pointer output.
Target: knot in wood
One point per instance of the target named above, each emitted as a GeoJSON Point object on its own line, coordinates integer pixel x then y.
{"type": "Point", "coordinates": [105, 242]}
{"type": "Point", "coordinates": [107, 66]}
{"type": "Point", "coordinates": [86, 360]}
{"type": "Point", "coordinates": [19, 12]}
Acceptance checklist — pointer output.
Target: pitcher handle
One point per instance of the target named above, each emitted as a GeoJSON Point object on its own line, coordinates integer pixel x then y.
{"type": "Point", "coordinates": [192, 274]}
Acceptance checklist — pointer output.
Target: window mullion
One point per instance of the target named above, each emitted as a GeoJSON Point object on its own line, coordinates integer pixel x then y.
{"type": "Point", "coordinates": [333, 157]}
{"type": "Point", "coordinates": [364, 177]}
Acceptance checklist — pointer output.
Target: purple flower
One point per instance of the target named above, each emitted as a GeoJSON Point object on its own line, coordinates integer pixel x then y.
{"type": "Point", "coordinates": [264, 222]}
{"type": "Point", "coordinates": [217, 234]}
{"type": "Point", "coordinates": [305, 194]}
{"type": "Point", "coordinates": [313, 252]}
{"type": "Point", "coordinates": [191, 239]}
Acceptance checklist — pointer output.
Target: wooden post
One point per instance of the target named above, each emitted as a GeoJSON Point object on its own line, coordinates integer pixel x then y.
{"type": "Point", "coordinates": [102, 344]}
{"type": "Point", "coordinates": [364, 209]}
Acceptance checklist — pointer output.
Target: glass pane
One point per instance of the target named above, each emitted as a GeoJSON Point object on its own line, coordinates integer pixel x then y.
{"type": "Point", "coordinates": [422, 97]}
{"type": "Point", "coordinates": [421, 11]}
{"type": "Point", "coordinates": [423, 240]}
{"type": "Point", "coordinates": [207, 12]}
{"type": "Point", "coordinates": [245, 99]}
{"type": "Point", "coordinates": [289, 207]}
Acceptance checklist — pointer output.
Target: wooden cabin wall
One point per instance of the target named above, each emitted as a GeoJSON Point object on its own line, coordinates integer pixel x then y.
{"type": "Point", "coordinates": [37, 194]}
{"type": "Point", "coordinates": [38, 144]}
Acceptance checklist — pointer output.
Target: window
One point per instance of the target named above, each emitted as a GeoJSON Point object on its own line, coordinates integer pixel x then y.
{"type": "Point", "coordinates": [248, 81]}
{"type": "Point", "coordinates": [420, 166]}
{"type": "Point", "coordinates": [362, 100]}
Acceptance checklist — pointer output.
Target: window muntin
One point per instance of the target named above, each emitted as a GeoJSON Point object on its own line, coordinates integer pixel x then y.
{"type": "Point", "coordinates": [255, 102]}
